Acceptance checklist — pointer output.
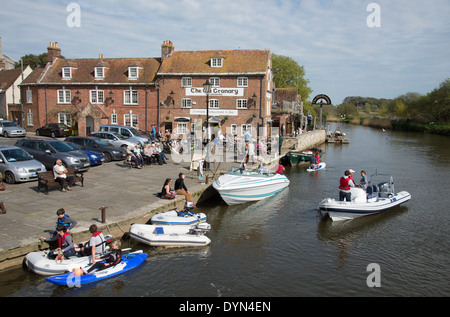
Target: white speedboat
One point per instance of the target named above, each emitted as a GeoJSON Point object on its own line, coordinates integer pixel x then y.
{"type": "Point", "coordinates": [171, 236]}
{"type": "Point", "coordinates": [40, 262]}
{"type": "Point", "coordinates": [175, 217]}
{"type": "Point", "coordinates": [239, 186]}
{"type": "Point", "coordinates": [375, 199]}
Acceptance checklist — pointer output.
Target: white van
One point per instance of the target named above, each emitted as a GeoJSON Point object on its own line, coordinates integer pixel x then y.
{"type": "Point", "coordinates": [128, 132]}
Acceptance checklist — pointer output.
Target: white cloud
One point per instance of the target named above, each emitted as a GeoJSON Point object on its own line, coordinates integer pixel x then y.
{"type": "Point", "coordinates": [341, 54]}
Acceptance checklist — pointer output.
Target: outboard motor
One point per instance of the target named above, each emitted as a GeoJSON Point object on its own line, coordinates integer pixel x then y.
{"type": "Point", "coordinates": [189, 205]}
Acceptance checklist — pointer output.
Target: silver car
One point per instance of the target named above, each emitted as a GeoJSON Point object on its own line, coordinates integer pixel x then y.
{"type": "Point", "coordinates": [10, 129]}
{"type": "Point", "coordinates": [115, 139]}
{"type": "Point", "coordinates": [17, 165]}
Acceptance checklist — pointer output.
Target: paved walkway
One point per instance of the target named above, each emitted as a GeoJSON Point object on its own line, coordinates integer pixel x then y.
{"type": "Point", "coordinates": [127, 194]}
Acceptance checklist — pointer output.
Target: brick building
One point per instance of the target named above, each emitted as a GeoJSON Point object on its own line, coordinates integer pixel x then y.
{"type": "Point", "coordinates": [146, 92]}
{"type": "Point", "coordinates": [87, 93]}
{"type": "Point", "coordinates": [241, 96]}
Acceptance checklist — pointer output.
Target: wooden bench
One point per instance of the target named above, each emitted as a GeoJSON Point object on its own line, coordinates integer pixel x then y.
{"type": "Point", "coordinates": [46, 180]}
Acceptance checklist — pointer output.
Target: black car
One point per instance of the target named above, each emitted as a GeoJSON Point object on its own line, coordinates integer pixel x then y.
{"type": "Point", "coordinates": [111, 153]}
{"type": "Point", "coordinates": [54, 130]}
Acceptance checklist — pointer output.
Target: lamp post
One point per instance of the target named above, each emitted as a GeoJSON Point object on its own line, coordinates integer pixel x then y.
{"type": "Point", "coordinates": [207, 88]}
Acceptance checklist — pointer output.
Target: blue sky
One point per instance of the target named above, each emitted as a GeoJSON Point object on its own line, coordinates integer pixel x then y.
{"type": "Point", "coordinates": [341, 54]}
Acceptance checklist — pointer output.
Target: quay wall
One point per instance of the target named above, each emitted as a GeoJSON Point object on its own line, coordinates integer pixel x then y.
{"type": "Point", "coordinates": [305, 140]}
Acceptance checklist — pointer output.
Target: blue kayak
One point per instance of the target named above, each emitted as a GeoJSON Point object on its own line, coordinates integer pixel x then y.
{"type": "Point", "coordinates": [129, 262]}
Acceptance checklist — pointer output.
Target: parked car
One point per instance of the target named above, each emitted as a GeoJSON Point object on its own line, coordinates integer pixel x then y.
{"type": "Point", "coordinates": [127, 132]}
{"type": "Point", "coordinates": [95, 157]}
{"type": "Point", "coordinates": [17, 165]}
{"type": "Point", "coordinates": [111, 153]}
{"type": "Point", "coordinates": [10, 129]}
{"type": "Point", "coordinates": [115, 139]}
{"type": "Point", "coordinates": [54, 130]}
{"type": "Point", "coordinates": [47, 151]}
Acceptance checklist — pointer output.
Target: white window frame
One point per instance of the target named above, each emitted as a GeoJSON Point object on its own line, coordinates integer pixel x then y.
{"type": "Point", "coordinates": [133, 73]}
{"type": "Point", "coordinates": [241, 104]}
{"type": "Point", "coordinates": [114, 118]}
{"type": "Point", "coordinates": [245, 128]}
{"type": "Point", "coordinates": [131, 97]}
{"type": "Point", "coordinates": [64, 96]}
{"type": "Point", "coordinates": [67, 73]}
{"type": "Point", "coordinates": [215, 81]}
{"type": "Point", "coordinates": [30, 118]}
{"type": "Point", "coordinates": [131, 120]}
{"type": "Point", "coordinates": [242, 82]}
{"type": "Point", "coordinates": [29, 95]}
{"type": "Point", "coordinates": [216, 62]}
{"type": "Point", "coordinates": [182, 128]}
{"type": "Point", "coordinates": [99, 73]}
{"type": "Point", "coordinates": [186, 103]}
{"type": "Point", "coordinates": [186, 82]}
{"type": "Point", "coordinates": [213, 103]}
{"type": "Point", "coordinates": [97, 96]}
{"type": "Point", "coordinates": [234, 129]}
{"type": "Point", "coordinates": [64, 117]}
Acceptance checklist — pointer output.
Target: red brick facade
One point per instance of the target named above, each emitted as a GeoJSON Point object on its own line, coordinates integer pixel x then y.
{"type": "Point", "coordinates": [145, 92]}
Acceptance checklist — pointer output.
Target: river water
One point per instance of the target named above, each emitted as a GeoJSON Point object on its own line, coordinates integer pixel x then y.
{"type": "Point", "coordinates": [283, 247]}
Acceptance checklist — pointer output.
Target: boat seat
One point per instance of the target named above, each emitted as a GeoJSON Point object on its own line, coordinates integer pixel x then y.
{"type": "Point", "coordinates": [159, 230]}
{"type": "Point", "coordinates": [370, 193]}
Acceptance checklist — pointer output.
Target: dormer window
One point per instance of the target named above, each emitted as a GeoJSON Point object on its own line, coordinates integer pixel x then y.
{"type": "Point", "coordinates": [216, 62]}
{"type": "Point", "coordinates": [99, 73]}
{"type": "Point", "coordinates": [133, 73]}
{"type": "Point", "coordinates": [67, 73]}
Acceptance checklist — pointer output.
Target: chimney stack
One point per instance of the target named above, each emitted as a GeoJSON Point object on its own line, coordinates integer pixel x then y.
{"type": "Point", "coordinates": [2, 64]}
{"type": "Point", "coordinates": [53, 52]}
{"type": "Point", "coordinates": [167, 49]}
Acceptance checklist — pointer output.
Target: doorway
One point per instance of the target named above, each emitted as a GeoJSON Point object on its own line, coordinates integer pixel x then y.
{"type": "Point", "coordinates": [89, 124]}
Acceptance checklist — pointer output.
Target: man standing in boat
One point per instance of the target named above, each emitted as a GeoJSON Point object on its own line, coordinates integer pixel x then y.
{"type": "Point", "coordinates": [344, 187]}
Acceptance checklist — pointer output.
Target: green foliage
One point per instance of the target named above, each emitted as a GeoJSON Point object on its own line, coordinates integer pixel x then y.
{"type": "Point", "coordinates": [287, 73]}
{"type": "Point", "coordinates": [412, 107]}
{"type": "Point", "coordinates": [33, 60]}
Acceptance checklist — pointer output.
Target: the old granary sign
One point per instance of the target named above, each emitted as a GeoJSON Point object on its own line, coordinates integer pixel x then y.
{"type": "Point", "coordinates": [216, 91]}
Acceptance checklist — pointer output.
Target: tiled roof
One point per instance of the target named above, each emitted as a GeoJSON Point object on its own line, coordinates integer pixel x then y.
{"type": "Point", "coordinates": [199, 62]}
{"type": "Point", "coordinates": [83, 71]}
{"type": "Point", "coordinates": [33, 78]}
{"type": "Point", "coordinates": [8, 77]}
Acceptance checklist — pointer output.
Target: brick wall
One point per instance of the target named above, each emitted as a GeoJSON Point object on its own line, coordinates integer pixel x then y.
{"type": "Point", "coordinates": [171, 110]}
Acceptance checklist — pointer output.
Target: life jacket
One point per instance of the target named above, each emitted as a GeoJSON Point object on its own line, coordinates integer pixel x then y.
{"type": "Point", "coordinates": [344, 183]}
{"type": "Point", "coordinates": [101, 243]}
{"type": "Point", "coordinates": [279, 169]}
{"type": "Point", "coordinates": [115, 257]}
{"type": "Point", "coordinates": [62, 240]}
{"type": "Point", "coordinates": [62, 222]}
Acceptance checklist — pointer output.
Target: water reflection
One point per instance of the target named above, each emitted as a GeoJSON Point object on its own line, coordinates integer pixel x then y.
{"type": "Point", "coordinates": [283, 246]}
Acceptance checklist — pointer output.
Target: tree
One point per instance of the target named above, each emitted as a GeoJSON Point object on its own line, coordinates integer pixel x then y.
{"type": "Point", "coordinates": [33, 60]}
{"type": "Point", "coordinates": [287, 73]}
